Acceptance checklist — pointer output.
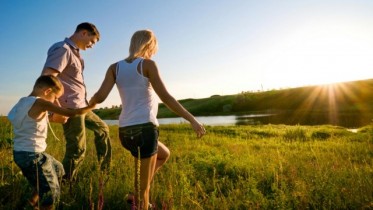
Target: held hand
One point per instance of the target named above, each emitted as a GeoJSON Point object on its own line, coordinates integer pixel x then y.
{"type": "Point", "coordinates": [91, 106]}
{"type": "Point", "coordinates": [92, 102]}
{"type": "Point", "coordinates": [58, 118]}
{"type": "Point", "coordinates": [86, 109]}
{"type": "Point", "coordinates": [199, 129]}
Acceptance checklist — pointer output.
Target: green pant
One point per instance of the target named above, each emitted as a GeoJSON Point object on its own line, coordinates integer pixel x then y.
{"type": "Point", "coordinates": [75, 135]}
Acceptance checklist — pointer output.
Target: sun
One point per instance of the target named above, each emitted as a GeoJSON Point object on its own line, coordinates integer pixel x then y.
{"type": "Point", "coordinates": [319, 53]}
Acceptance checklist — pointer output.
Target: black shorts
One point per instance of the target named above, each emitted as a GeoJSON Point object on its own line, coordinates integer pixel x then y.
{"type": "Point", "coordinates": [143, 137]}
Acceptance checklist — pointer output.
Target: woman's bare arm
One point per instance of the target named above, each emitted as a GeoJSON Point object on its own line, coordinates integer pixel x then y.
{"type": "Point", "coordinates": [106, 86]}
{"type": "Point", "coordinates": [151, 71]}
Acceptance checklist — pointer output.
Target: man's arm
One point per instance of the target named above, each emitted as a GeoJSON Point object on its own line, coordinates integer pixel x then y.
{"type": "Point", "coordinates": [55, 117]}
{"type": "Point", "coordinates": [50, 71]}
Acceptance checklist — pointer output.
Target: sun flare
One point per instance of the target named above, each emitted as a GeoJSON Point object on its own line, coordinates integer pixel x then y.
{"type": "Point", "coordinates": [337, 98]}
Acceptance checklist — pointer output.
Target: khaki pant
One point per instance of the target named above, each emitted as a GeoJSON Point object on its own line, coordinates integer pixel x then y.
{"type": "Point", "coordinates": [75, 135]}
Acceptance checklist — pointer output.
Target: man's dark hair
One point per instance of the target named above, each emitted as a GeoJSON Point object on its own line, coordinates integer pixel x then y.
{"type": "Point", "coordinates": [90, 28]}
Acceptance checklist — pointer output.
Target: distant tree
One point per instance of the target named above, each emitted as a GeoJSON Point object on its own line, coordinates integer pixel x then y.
{"type": "Point", "coordinates": [227, 108]}
{"type": "Point", "coordinates": [244, 102]}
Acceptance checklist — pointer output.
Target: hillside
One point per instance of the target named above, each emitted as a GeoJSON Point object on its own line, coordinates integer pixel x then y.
{"type": "Point", "coordinates": [326, 104]}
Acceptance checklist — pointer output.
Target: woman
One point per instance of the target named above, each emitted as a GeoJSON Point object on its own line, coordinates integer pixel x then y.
{"type": "Point", "coordinates": [137, 77]}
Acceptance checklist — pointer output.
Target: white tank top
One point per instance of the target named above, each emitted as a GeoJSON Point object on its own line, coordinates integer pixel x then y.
{"type": "Point", "coordinates": [29, 135]}
{"type": "Point", "coordinates": [139, 101]}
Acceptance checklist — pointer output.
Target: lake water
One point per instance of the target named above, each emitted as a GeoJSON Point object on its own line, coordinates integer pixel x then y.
{"type": "Point", "coordinates": [288, 118]}
{"type": "Point", "coordinates": [209, 120]}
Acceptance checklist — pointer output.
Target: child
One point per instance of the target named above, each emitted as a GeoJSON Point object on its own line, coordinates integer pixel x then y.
{"type": "Point", "coordinates": [29, 118]}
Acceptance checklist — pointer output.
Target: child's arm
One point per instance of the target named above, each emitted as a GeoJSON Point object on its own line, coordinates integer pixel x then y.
{"type": "Point", "coordinates": [42, 106]}
{"type": "Point", "coordinates": [50, 107]}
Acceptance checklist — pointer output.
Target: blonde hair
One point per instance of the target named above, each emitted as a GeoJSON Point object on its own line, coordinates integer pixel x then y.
{"type": "Point", "coordinates": [143, 44]}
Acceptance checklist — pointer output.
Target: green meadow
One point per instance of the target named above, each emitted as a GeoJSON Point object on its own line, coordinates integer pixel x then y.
{"type": "Point", "coordinates": [232, 167]}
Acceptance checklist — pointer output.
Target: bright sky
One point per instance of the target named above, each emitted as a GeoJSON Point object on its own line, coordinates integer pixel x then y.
{"type": "Point", "coordinates": [206, 47]}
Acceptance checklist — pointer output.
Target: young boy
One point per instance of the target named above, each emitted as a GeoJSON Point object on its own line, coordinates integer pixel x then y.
{"type": "Point", "coordinates": [29, 118]}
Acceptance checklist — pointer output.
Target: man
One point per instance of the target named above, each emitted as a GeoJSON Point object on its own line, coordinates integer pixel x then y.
{"type": "Point", "coordinates": [64, 61]}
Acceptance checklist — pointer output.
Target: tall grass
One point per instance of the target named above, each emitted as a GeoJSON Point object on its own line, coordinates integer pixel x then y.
{"type": "Point", "coordinates": [234, 167]}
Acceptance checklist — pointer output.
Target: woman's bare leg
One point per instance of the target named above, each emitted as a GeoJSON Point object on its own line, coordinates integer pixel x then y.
{"type": "Point", "coordinates": [162, 156]}
{"type": "Point", "coordinates": [147, 168]}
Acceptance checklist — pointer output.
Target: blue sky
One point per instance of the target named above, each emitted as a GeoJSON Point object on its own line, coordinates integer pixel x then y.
{"type": "Point", "coordinates": [206, 47]}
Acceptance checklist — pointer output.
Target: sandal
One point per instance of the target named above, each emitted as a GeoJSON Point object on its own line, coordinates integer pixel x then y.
{"type": "Point", "coordinates": [130, 197]}
{"type": "Point", "coordinates": [33, 205]}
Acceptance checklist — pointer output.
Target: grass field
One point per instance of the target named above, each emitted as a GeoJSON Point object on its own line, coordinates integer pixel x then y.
{"type": "Point", "coordinates": [235, 167]}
